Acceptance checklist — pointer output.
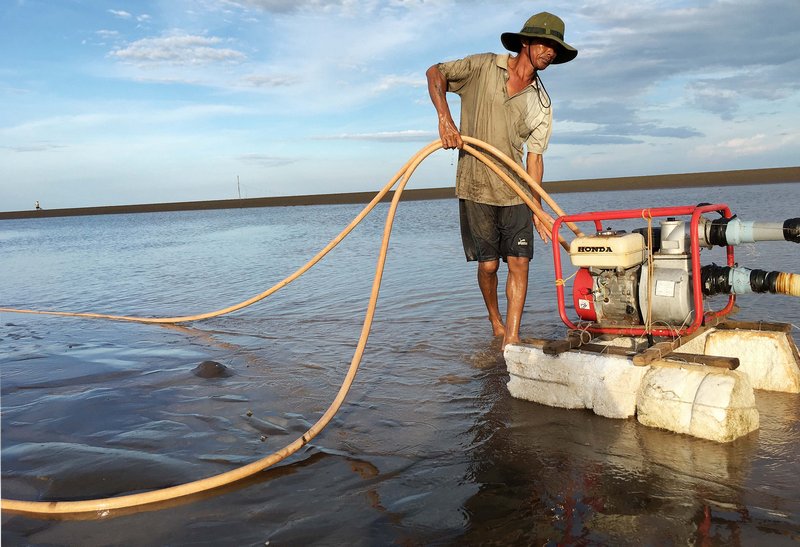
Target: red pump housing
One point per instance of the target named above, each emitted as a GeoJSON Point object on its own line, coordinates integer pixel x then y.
{"type": "Point", "coordinates": [582, 285]}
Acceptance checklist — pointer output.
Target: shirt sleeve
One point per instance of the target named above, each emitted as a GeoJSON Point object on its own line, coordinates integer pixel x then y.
{"type": "Point", "coordinates": [458, 73]}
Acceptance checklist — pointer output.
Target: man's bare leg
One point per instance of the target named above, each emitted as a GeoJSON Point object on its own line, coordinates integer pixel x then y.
{"type": "Point", "coordinates": [487, 281]}
{"type": "Point", "coordinates": [516, 291]}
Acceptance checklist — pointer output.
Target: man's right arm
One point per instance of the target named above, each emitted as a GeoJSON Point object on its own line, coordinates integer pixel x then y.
{"type": "Point", "coordinates": [437, 88]}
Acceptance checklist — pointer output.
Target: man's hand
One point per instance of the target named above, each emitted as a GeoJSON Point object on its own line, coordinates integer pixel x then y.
{"type": "Point", "coordinates": [541, 229]}
{"type": "Point", "coordinates": [448, 132]}
{"type": "Point", "coordinates": [437, 88]}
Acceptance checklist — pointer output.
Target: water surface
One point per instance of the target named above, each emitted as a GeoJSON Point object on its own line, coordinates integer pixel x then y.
{"type": "Point", "coordinates": [428, 448]}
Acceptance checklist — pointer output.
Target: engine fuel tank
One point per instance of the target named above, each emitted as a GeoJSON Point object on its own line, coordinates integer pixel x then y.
{"type": "Point", "coordinates": [607, 250]}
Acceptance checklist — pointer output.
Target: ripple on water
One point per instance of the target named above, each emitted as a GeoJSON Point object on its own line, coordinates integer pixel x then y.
{"type": "Point", "coordinates": [428, 447]}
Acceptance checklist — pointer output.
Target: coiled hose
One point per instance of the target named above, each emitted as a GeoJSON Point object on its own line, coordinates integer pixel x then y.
{"type": "Point", "coordinates": [99, 508]}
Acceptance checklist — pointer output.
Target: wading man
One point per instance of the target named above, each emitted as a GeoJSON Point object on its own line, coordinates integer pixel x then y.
{"type": "Point", "coordinates": [503, 103]}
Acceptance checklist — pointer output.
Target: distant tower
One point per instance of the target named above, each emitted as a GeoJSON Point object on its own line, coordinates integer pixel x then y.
{"type": "Point", "coordinates": [38, 207]}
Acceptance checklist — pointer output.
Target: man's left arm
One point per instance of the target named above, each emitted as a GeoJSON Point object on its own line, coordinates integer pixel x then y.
{"type": "Point", "coordinates": [534, 165]}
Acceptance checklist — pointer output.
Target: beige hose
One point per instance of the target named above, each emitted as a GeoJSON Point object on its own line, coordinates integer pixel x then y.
{"type": "Point", "coordinates": [102, 507]}
{"type": "Point", "coordinates": [186, 318]}
{"type": "Point", "coordinates": [532, 205]}
{"type": "Point", "coordinates": [521, 173]}
{"type": "Point", "coordinates": [788, 283]}
{"type": "Point", "coordinates": [430, 148]}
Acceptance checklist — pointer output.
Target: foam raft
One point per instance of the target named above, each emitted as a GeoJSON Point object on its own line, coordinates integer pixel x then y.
{"type": "Point", "coordinates": [702, 387]}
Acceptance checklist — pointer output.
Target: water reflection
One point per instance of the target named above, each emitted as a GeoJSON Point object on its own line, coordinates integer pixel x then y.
{"type": "Point", "coordinates": [558, 477]}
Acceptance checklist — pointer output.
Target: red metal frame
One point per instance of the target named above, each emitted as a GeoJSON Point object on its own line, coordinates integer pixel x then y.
{"type": "Point", "coordinates": [599, 217]}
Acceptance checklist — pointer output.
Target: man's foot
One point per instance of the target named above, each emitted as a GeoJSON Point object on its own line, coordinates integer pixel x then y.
{"type": "Point", "coordinates": [498, 329]}
{"type": "Point", "coordinates": [509, 340]}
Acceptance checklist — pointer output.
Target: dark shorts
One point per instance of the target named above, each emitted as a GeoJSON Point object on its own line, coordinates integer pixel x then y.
{"type": "Point", "coordinates": [491, 232]}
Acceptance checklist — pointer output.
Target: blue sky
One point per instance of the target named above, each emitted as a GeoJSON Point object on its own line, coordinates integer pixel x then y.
{"type": "Point", "coordinates": [120, 102]}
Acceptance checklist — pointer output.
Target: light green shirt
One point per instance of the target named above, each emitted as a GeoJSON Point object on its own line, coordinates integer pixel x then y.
{"type": "Point", "coordinates": [489, 114]}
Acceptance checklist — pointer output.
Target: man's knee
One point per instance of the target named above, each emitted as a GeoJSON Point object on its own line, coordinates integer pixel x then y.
{"type": "Point", "coordinates": [518, 264]}
{"type": "Point", "coordinates": [488, 267]}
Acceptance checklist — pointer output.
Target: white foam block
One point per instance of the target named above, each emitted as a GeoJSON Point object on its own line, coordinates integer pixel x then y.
{"type": "Point", "coordinates": [718, 405]}
{"type": "Point", "coordinates": [769, 358]}
{"type": "Point", "coordinates": [607, 384]}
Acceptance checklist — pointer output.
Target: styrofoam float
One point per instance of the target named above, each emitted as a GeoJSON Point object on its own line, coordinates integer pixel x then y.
{"type": "Point", "coordinates": [702, 401]}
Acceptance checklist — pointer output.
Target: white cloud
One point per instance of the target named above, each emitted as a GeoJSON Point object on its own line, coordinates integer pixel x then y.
{"type": "Point", "coordinates": [120, 13]}
{"type": "Point", "coordinates": [120, 117]}
{"type": "Point", "coordinates": [410, 135]}
{"type": "Point", "coordinates": [178, 49]}
{"type": "Point", "coordinates": [390, 81]}
{"type": "Point", "coordinates": [265, 160]}
{"type": "Point", "coordinates": [34, 147]}
{"type": "Point", "coordinates": [748, 146]}
{"type": "Point", "coordinates": [287, 6]}
{"type": "Point", "coordinates": [658, 86]}
{"type": "Point", "coordinates": [268, 81]}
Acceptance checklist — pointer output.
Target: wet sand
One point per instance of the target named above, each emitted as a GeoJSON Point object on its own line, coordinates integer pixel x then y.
{"type": "Point", "coordinates": [681, 180]}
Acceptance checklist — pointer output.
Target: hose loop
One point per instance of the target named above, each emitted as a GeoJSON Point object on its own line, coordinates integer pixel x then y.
{"type": "Point", "coordinates": [145, 501]}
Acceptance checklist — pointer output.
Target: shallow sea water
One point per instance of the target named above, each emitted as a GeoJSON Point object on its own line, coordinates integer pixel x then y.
{"type": "Point", "coordinates": [429, 448]}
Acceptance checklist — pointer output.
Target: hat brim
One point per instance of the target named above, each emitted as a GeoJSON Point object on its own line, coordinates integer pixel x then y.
{"type": "Point", "coordinates": [512, 41]}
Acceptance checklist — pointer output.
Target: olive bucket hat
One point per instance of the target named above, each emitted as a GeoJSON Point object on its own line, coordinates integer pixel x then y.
{"type": "Point", "coordinates": [545, 26]}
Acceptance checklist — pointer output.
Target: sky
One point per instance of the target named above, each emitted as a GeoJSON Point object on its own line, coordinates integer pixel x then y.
{"type": "Point", "coordinates": [128, 102]}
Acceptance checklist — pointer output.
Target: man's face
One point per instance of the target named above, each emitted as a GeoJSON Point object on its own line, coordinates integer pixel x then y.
{"type": "Point", "coordinates": [541, 53]}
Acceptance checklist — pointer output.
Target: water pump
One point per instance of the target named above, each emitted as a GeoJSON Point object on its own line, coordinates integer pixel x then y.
{"type": "Point", "coordinates": [650, 280]}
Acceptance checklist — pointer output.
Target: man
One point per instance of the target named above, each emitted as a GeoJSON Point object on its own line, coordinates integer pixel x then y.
{"type": "Point", "coordinates": [503, 103]}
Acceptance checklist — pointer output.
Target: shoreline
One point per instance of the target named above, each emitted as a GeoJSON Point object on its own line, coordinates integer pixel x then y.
{"type": "Point", "coordinates": [742, 177]}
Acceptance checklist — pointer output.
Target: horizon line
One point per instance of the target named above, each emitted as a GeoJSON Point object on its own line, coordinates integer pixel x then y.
{"type": "Point", "coordinates": [770, 175]}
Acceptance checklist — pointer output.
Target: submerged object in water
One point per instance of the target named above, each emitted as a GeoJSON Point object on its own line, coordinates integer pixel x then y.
{"type": "Point", "coordinates": [211, 369]}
